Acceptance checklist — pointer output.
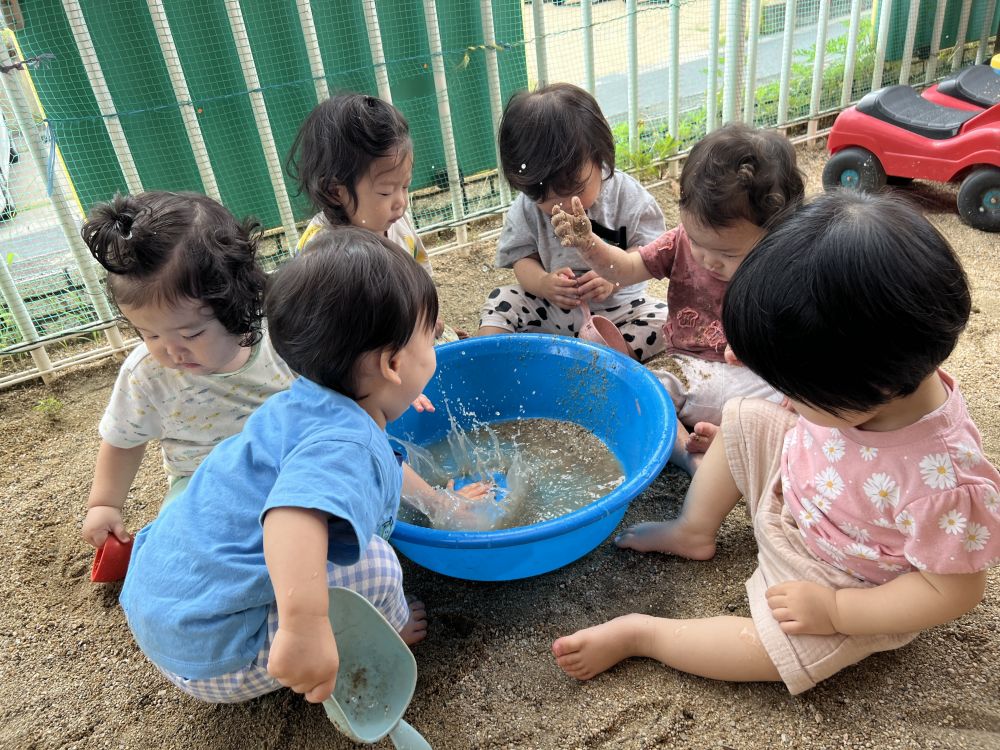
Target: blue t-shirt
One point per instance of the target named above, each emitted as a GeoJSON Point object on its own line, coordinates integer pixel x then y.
{"type": "Point", "coordinates": [197, 592]}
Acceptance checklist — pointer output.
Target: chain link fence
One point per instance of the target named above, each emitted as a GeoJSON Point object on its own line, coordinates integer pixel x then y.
{"type": "Point", "coordinates": [106, 96]}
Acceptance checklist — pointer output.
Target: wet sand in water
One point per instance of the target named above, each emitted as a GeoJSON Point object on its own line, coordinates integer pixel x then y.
{"type": "Point", "coordinates": [552, 467]}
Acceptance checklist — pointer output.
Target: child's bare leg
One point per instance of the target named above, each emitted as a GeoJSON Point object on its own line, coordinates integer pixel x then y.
{"type": "Point", "coordinates": [721, 648]}
{"type": "Point", "coordinates": [680, 456]}
{"type": "Point", "coordinates": [415, 629]}
{"type": "Point", "coordinates": [702, 435]}
{"type": "Point", "coordinates": [489, 331]}
{"type": "Point", "coordinates": [712, 494]}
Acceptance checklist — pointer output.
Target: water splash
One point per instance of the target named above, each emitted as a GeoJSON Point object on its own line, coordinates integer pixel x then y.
{"type": "Point", "coordinates": [550, 468]}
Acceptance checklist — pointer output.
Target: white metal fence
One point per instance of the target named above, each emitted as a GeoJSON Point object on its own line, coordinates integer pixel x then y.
{"type": "Point", "coordinates": [102, 96]}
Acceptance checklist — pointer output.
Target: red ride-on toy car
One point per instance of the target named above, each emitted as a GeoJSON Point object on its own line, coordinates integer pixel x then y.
{"type": "Point", "coordinates": [974, 88]}
{"type": "Point", "coordinates": [895, 135]}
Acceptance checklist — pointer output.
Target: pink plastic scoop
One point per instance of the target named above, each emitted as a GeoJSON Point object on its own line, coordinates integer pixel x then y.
{"type": "Point", "coordinates": [601, 330]}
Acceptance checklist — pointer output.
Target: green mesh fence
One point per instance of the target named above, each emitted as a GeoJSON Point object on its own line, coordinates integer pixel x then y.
{"type": "Point", "coordinates": [105, 96]}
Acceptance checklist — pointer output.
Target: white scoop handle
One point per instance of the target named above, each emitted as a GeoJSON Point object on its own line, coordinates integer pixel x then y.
{"type": "Point", "coordinates": [405, 737]}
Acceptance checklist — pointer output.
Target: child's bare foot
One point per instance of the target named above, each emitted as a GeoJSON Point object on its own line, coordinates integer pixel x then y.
{"type": "Point", "coordinates": [589, 652]}
{"type": "Point", "coordinates": [669, 537]}
{"type": "Point", "coordinates": [415, 629]}
{"type": "Point", "coordinates": [683, 458]}
{"type": "Point", "coordinates": [702, 435]}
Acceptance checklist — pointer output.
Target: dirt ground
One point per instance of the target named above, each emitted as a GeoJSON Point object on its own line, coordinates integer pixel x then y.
{"type": "Point", "coordinates": [71, 676]}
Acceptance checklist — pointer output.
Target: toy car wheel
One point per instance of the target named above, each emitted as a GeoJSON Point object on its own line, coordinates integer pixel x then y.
{"type": "Point", "coordinates": [979, 199]}
{"type": "Point", "coordinates": [854, 168]}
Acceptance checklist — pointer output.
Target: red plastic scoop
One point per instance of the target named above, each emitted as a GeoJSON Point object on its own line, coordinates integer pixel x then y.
{"type": "Point", "coordinates": [111, 560]}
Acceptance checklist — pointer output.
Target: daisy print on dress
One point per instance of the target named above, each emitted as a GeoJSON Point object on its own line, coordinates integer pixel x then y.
{"type": "Point", "coordinates": [992, 501]}
{"type": "Point", "coordinates": [855, 532]}
{"type": "Point", "coordinates": [833, 449]}
{"type": "Point", "coordinates": [915, 562]}
{"type": "Point", "coordinates": [976, 537]}
{"type": "Point", "coordinates": [905, 523]}
{"type": "Point", "coordinates": [808, 515]}
{"type": "Point", "coordinates": [882, 490]}
{"type": "Point", "coordinates": [823, 504]}
{"type": "Point", "coordinates": [952, 522]}
{"type": "Point", "coordinates": [789, 441]}
{"type": "Point", "coordinates": [829, 483]}
{"type": "Point", "coordinates": [868, 453]}
{"type": "Point", "coordinates": [891, 567]}
{"type": "Point", "coordinates": [862, 551]}
{"type": "Point", "coordinates": [967, 456]}
{"type": "Point", "coordinates": [829, 547]}
{"type": "Point", "coordinates": [937, 471]}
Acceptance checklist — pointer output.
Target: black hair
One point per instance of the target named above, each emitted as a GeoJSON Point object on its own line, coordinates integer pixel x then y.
{"type": "Point", "coordinates": [351, 292]}
{"type": "Point", "coordinates": [738, 172]}
{"type": "Point", "coordinates": [851, 302]}
{"type": "Point", "coordinates": [549, 135]}
{"type": "Point", "coordinates": [162, 248]}
{"type": "Point", "coordinates": [336, 145]}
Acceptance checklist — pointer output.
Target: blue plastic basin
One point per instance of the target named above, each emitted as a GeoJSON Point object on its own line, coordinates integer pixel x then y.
{"type": "Point", "coordinates": [500, 378]}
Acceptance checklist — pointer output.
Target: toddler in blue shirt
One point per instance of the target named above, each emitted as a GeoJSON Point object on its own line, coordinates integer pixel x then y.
{"type": "Point", "coordinates": [227, 591]}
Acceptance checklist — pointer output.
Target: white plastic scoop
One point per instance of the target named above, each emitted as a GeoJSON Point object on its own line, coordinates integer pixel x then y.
{"type": "Point", "coordinates": [376, 678]}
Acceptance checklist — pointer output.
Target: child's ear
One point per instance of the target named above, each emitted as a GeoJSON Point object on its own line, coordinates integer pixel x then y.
{"type": "Point", "coordinates": [389, 367]}
{"type": "Point", "coordinates": [338, 194]}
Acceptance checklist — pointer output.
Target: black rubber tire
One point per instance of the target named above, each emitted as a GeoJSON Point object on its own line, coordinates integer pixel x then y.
{"type": "Point", "coordinates": [854, 168]}
{"type": "Point", "coordinates": [979, 199]}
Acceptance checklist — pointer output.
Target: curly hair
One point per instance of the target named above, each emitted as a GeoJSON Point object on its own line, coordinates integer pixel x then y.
{"type": "Point", "coordinates": [337, 144]}
{"type": "Point", "coordinates": [161, 247]}
{"type": "Point", "coordinates": [738, 172]}
{"type": "Point", "coordinates": [548, 136]}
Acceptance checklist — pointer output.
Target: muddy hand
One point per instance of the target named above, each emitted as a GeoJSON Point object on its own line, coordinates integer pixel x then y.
{"type": "Point", "coordinates": [572, 228]}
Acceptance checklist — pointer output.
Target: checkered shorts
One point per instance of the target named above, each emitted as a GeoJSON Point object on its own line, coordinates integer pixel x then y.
{"type": "Point", "coordinates": [377, 576]}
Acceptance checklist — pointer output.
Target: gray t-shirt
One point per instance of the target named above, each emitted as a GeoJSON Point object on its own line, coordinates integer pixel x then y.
{"type": "Point", "coordinates": [622, 202]}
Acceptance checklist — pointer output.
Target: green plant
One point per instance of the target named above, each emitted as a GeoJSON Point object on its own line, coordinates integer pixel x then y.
{"type": "Point", "coordinates": [50, 408]}
{"type": "Point", "coordinates": [655, 145]}
{"type": "Point", "coordinates": [800, 78]}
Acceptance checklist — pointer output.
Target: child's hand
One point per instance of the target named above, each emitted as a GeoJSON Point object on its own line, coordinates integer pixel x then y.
{"type": "Point", "coordinates": [304, 657]}
{"type": "Point", "coordinates": [473, 491]}
{"type": "Point", "coordinates": [422, 403]}
{"type": "Point", "coordinates": [803, 608]}
{"type": "Point", "coordinates": [559, 288]}
{"type": "Point", "coordinates": [573, 227]}
{"type": "Point", "coordinates": [471, 508]}
{"type": "Point", "coordinates": [102, 520]}
{"type": "Point", "coordinates": [594, 287]}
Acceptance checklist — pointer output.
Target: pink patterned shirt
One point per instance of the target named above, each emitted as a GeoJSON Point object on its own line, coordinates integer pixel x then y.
{"type": "Point", "coordinates": [880, 504]}
{"type": "Point", "coordinates": [694, 297]}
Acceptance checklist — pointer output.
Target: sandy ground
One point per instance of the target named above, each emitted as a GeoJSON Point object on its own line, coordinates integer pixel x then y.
{"type": "Point", "coordinates": [71, 677]}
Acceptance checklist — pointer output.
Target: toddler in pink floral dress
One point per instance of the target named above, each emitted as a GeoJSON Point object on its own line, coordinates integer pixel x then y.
{"type": "Point", "coordinates": [875, 513]}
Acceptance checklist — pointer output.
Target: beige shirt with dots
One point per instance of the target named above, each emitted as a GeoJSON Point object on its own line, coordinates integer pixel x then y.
{"type": "Point", "coordinates": [189, 414]}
